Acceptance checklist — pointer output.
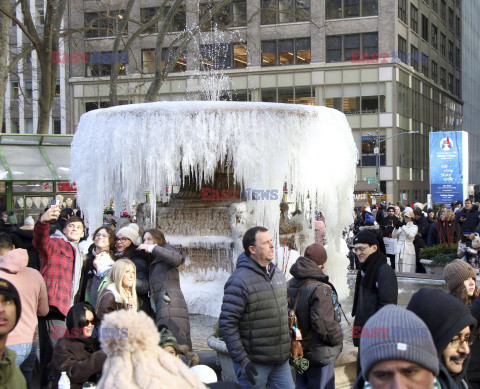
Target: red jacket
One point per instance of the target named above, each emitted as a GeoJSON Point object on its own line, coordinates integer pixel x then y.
{"type": "Point", "coordinates": [58, 258]}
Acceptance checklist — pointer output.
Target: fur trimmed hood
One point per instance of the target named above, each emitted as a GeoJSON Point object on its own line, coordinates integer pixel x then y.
{"type": "Point", "coordinates": [134, 358]}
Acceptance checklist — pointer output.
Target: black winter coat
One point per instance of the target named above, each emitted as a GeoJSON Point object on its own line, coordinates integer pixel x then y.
{"type": "Point", "coordinates": [23, 239]}
{"type": "Point", "coordinates": [318, 312]}
{"type": "Point", "coordinates": [167, 296]}
{"type": "Point", "coordinates": [423, 228]}
{"type": "Point", "coordinates": [254, 322]}
{"type": "Point", "coordinates": [472, 219]}
{"type": "Point", "coordinates": [80, 363]}
{"type": "Point", "coordinates": [370, 301]}
{"type": "Point", "coordinates": [387, 225]}
{"type": "Point", "coordinates": [473, 369]}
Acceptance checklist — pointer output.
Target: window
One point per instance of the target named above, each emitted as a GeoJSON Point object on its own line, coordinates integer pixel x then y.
{"type": "Point", "coordinates": [337, 9]}
{"type": "Point", "coordinates": [224, 56]}
{"type": "Point", "coordinates": [28, 90]}
{"type": "Point", "coordinates": [369, 104]}
{"type": "Point", "coordinates": [351, 105]}
{"type": "Point", "coordinates": [286, 52]}
{"type": "Point", "coordinates": [424, 28]}
{"type": "Point", "coordinates": [414, 57]}
{"type": "Point", "coordinates": [180, 64]}
{"type": "Point", "coordinates": [148, 58]}
{"type": "Point", "coordinates": [102, 24]}
{"type": "Point", "coordinates": [146, 14]}
{"type": "Point", "coordinates": [100, 63]}
{"type": "Point", "coordinates": [424, 59]}
{"type": "Point", "coordinates": [90, 106]}
{"type": "Point", "coordinates": [458, 27]}
{"type": "Point", "coordinates": [57, 126]}
{"type": "Point", "coordinates": [57, 88]}
{"type": "Point", "coordinates": [450, 52]}
{"type": "Point", "coordinates": [435, 5]}
{"type": "Point", "coordinates": [450, 18]}
{"type": "Point", "coordinates": [443, 40]}
{"type": "Point", "coordinates": [458, 87]}
{"type": "Point", "coordinates": [297, 95]}
{"type": "Point", "coordinates": [413, 18]}
{"type": "Point", "coordinates": [40, 16]}
{"type": "Point", "coordinates": [14, 90]}
{"type": "Point", "coordinates": [29, 126]}
{"type": "Point", "coordinates": [179, 20]}
{"type": "Point", "coordinates": [369, 157]}
{"type": "Point", "coordinates": [434, 36]}
{"type": "Point", "coordinates": [443, 77]}
{"type": "Point", "coordinates": [334, 102]}
{"type": "Point", "coordinates": [348, 47]}
{"type": "Point", "coordinates": [231, 15]}
{"type": "Point", "coordinates": [402, 10]}
{"type": "Point", "coordinates": [443, 10]}
{"type": "Point", "coordinates": [450, 82]}
{"type": "Point", "coordinates": [434, 72]}
{"type": "Point", "coordinates": [457, 57]}
{"type": "Point", "coordinates": [402, 49]}
{"type": "Point", "coordinates": [285, 11]}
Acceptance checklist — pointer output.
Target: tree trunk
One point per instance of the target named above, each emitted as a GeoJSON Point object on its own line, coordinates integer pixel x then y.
{"type": "Point", "coordinates": [4, 23]}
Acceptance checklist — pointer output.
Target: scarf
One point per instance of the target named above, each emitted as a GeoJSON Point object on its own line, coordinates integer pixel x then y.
{"type": "Point", "coordinates": [367, 275]}
{"type": "Point", "coordinates": [446, 232]}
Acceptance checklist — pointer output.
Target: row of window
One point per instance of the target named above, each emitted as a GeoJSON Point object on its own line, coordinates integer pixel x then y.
{"type": "Point", "coordinates": [346, 47]}
{"type": "Point", "coordinates": [453, 20]}
{"type": "Point", "coordinates": [234, 14]}
{"type": "Point", "coordinates": [26, 91]}
{"type": "Point", "coordinates": [356, 105]}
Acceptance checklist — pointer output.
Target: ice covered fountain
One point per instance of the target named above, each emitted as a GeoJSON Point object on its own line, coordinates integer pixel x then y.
{"type": "Point", "coordinates": [126, 151]}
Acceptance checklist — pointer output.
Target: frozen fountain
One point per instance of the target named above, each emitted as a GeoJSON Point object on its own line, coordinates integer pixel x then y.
{"type": "Point", "coordinates": [139, 148]}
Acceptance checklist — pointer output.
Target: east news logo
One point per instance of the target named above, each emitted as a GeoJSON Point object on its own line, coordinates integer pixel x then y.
{"type": "Point", "coordinates": [446, 144]}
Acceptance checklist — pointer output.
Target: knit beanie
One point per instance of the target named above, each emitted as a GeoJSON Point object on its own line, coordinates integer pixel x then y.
{"type": "Point", "coordinates": [367, 237]}
{"type": "Point", "coordinates": [130, 231]}
{"type": "Point", "coordinates": [316, 253]}
{"type": "Point", "coordinates": [417, 211]}
{"type": "Point", "coordinates": [395, 333]}
{"type": "Point", "coordinates": [168, 339]}
{"type": "Point", "coordinates": [456, 272]}
{"type": "Point", "coordinates": [7, 289]}
{"type": "Point", "coordinates": [444, 315]}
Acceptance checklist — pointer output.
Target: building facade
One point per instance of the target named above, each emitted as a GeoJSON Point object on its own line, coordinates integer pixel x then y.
{"type": "Point", "coordinates": [392, 66]}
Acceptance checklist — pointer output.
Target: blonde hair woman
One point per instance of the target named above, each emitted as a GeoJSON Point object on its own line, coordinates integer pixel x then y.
{"type": "Point", "coordinates": [119, 292]}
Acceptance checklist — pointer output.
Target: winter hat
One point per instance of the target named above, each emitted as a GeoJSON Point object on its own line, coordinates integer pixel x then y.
{"type": "Point", "coordinates": [28, 224]}
{"type": "Point", "coordinates": [456, 272]}
{"type": "Point", "coordinates": [168, 339]}
{"type": "Point", "coordinates": [366, 237]}
{"type": "Point", "coordinates": [12, 219]}
{"type": "Point", "coordinates": [316, 253]}
{"type": "Point", "coordinates": [417, 211]}
{"type": "Point", "coordinates": [409, 214]}
{"type": "Point", "coordinates": [430, 210]}
{"type": "Point", "coordinates": [444, 315]}
{"type": "Point", "coordinates": [130, 231]}
{"type": "Point", "coordinates": [395, 333]}
{"type": "Point", "coordinates": [7, 289]}
{"type": "Point", "coordinates": [206, 374]}
{"type": "Point", "coordinates": [391, 207]}
{"type": "Point", "coordinates": [369, 219]}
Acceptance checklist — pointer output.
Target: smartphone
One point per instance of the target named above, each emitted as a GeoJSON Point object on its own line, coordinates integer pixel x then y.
{"type": "Point", "coordinates": [54, 202]}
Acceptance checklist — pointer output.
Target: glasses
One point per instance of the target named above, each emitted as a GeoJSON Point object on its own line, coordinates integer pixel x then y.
{"type": "Point", "coordinates": [99, 235]}
{"type": "Point", "coordinates": [360, 249]}
{"type": "Point", "coordinates": [457, 342]}
{"type": "Point", "coordinates": [88, 322]}
{"type": "Point", "coordinates": [121, 240]}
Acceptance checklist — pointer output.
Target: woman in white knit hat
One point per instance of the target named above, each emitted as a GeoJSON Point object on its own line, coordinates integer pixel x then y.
{"type": "Point", "coordinates": [126, 244]}
{"type": "Point", "coordinates": [405, 252]}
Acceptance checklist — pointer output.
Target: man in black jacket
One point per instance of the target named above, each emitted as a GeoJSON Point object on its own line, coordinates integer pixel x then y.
{"type": "Point", "coordinates": [387, 225]}
{"type": "Point", "coordinates": [318, 313]}
{"type": "Point", "coordinates": [253, 320]}
{"type": "Point", "coordinates": [467, 218]}
{"type": "Point", "coordinates": [376, 284]}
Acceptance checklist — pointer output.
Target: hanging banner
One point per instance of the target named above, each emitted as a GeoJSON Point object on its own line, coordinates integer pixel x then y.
{"type": "Point", "coordinates": [448, 166]}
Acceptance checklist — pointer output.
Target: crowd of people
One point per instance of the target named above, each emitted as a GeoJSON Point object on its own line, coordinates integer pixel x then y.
{"type": "Point", "coordinates": [116, 316]}
{"type": "Point", "coordinates": [406, 230]}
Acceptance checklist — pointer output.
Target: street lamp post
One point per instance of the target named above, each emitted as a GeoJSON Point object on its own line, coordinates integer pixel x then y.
{"type": "Point", "coordinates": [376, 151]}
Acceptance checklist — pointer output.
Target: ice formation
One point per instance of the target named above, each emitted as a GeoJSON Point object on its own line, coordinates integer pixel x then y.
{"type": "Point", "coordinates": [125, 151]}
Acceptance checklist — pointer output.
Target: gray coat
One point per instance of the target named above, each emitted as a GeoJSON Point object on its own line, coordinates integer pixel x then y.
{"type": "Point", "coordinates": [170, 307]}
{"type": "Point", "coordinates": [254, 322]}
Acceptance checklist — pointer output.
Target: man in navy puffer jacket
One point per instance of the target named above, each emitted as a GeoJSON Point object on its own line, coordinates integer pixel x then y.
{"type": "Point", "coordinates": [254, 321]}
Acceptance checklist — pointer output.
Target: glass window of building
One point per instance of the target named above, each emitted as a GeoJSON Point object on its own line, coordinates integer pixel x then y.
{"type": "Point", "coordinates": [180, 63]}
{"type": "Point", "coordinates": [434, 71]}
{"type": "Point", "coordinates": [231, 15]}
{"type": "Point", "coordinates": [402, 10]}
{"type": "Point", "coordinates": [424, 58]}
{"type": "Point", "coordinates": [458, 27]}
{"type": "Point", "coordinates": [434, 5]}
{"type": "Point", "coordinates": [179, 20]}
{"type": "Point", "coordinates": [443, 40]}
{"type": "Point", "coordinates": [223, 56]}
{"type": "Point", "coordinates": [286, 52]}
{"type": "Point", "coordinates": [424, 28]}
{"type": "Point", "coordinates": [414, 57]}
{"type": "Point", "coordinates": [350, 43]}
{"type": "Point", "coordinates": [29, 126]}
{"type": "Point", "coordinates": [402, 49]}
{"type": "Point", "coordinates": [458, 88]}
{"type": "Point", "coordinates": [334, 48]}
{"type": "Point", "coordinates": [28, 90]}
{"type": "Point", "coordinates": [239, 55]}
{"type": "Point", "coordinates": [269, 95]}
{"type": "Point", "coordinates": [351, 105]}
{"type": "Point", "coordinates": [146, 15]}
{"type": "Point", "coordinates": [413, 18]}
{"type": "Point", "coordinates": [434, 36]}
{"type": "Point", "coordinates": [57, 126]}
{"type": "Point", "coordinates": [337, 9]}
{"type": "Point", "coordinates": [303, 95]}
{"type": "Point", "coordinates": [351, 47]}
{"type": "Point", "coordinates": [369, 104]}
{"type": "Point", "coordinates": [369, 157]}
{"type": "Point", "coordinates": [458, 57]}
{"type": "Point", "coordinates": [148, 60]}
{"type": "Point", "coordinates": [443, 77]}
{"type": "Point", "coordinates": [103, 24]}
{"type": "Point", "coordinates": [284, 11]}
{"type": "Point", "coordinates": [443, 10]}
{"type": "Point", "coordinates": [450, 52]}
{"type": "Point", "coordinates": [57, 89]}
{"type": "Point", "coordinates": [370, 44]}
{"type": "Point", "coordinates": [450, 18]}
{"type": "Point", "coordinates": [100, 63]}
{"type": "Point", "coordinates": [450, 82]}
{"type": "Point", "coordinates": [334, 102]}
